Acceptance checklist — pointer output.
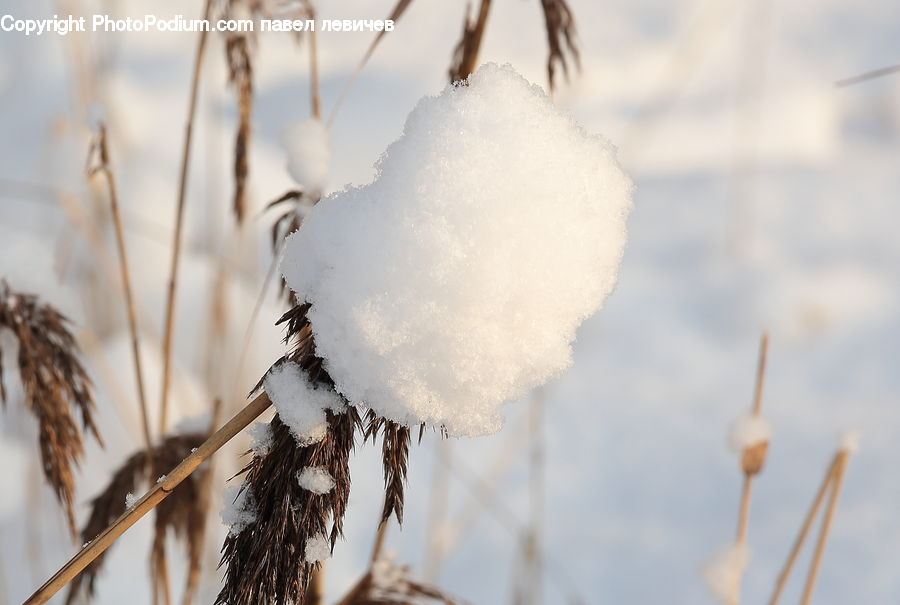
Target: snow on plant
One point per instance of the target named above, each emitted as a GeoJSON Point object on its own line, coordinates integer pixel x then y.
{"type": "Point", "coordinates": [239, 510]}
{"type": "Point", "coordinates": [450, 285]}
{"type": "Point", "coordinates": [315, 479]}
{"type": "Point", "coordinates": [300, 404]}
{"type": "Point", "coordinates": [308, 154]}
{"type": "Point", "coordinates": [724, 571]}
{"type": "Point", "coordinates": [749, 431]}
{"type": "Point", "coordinates": [456, 280]}
{"type": "Point", "coordinates": [317, 549]}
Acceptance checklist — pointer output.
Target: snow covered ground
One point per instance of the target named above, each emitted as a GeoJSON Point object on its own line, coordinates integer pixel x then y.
{"type": "Point", "coordinates": [766, 198]}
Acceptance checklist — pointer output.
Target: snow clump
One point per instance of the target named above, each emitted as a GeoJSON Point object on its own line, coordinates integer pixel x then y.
{"type": "Point", "coordinates": [301, 405]}
{"type": "Point", "coordinates": [239, 510]}
{"type": "Point", "coordinates": [455, 281]}
{"type": "Point", "coordinates": [318, 548]}
{"type": "Point", "coordinates": [724, 571]}
{"type": "Point", "coordinates": [308, 154]}
{"type": "Point", "coordinates": [315, 479]}
{"type": "Point", "coordinates": [748, 431]}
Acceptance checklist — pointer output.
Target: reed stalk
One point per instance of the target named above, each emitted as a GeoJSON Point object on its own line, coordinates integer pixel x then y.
{"type": "Point", "coordinates": [169, 322]}
{"type": "Point", "coordinates": [804, 532]}
{"type": "Point", "coordinates": [125, 273]}
{"type": "Point", "coordinates": [840, 471]}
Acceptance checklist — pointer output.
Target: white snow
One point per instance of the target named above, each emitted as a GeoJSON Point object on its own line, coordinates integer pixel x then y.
{"type": "Point", "coordinates": [723, 572]}
{"type": "Point", "coordinates": [131, 500]}
{"type": "Point", "coordinates": [239, 509]}
{"type": "Point", "coordinates": [318, 548]}
{"type": "Point", "coordinates": [308, 154]}
{"type": "Point", "coordinates": [748, 431]}
{"type": "Point", "coordinates": [315, 479]}
{"type": "Point", "coordinates": [300, 404]}
{"type": "Point", "coordinates": [849, 441]}
{"type": "Point", "coordinates": [456, 280]}
{"type": "Point", "coordinates": [386, 572]}
{"type": "Point", "coordinates": [260, 438]}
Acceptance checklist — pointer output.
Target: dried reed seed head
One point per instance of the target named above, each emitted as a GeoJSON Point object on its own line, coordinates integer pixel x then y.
{"type": "Point", "coordinates": [265, 559]}
{"type": "Point", "coordinates": [287, 222]}
{"type": "Point", "coordinates": [55, 383]}
{"type": "Point", "coordinates": [561, 38]}
{"type": "Point", "coordinates": [388, 583]}
{"type": "Point", "coordinates": [240, 75]}
{"type": "Point", "coordinates": [753, 458]}
{"type": "Point", "coordinates": [465, 54]}
{"type": "Point", "coordinates": [181, 511]}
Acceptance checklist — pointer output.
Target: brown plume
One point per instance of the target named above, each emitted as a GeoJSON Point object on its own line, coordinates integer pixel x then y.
{"type": "Point", "coordinates": [183, 511]}
{"type": "Point", "coordinates": [55, 384]}
{"type": "Point", "coordinates": [561, 37]}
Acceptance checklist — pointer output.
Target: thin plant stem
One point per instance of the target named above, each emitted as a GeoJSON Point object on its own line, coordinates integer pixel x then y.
{"type": "Point", "coordinates": [169, 333]}
{"type": "Point", "coordinates": [205, 496]}
{"type": "Point", "coordinates": [150, 500]}
{"type": "Point", "coordinates": [761, 373]}
{"type": "Point", "coordinates": [747, 486]}
{"type": "Point", "coordinates": [379, 542]}
{"type": "Point", "coordinates": [314, 88]}
{"type": "Point", "coordinates": [804, 532]}
{"type": "Point", "coordinates": [840, 471]}
{"type": "Point", "coordinates": [744, 514]}
{"type": "Point", "coordinates": [162, 587]}
{"type": "Point", "coordinates": [398, 11]}
{"type": "Point", "coordinates": [130, 307]}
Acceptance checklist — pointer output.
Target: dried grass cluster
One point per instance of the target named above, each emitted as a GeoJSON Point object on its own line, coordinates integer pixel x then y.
{"type": "Point", "coordinates": [266, 561]}
{"type": "Point", "coordinates": [55, 385]}
{"type": "Point", "coordinates": [184, 511]}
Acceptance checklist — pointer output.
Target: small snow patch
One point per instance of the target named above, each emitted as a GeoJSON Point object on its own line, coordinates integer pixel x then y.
{"type": "Point", "coordinates": [748, 431]}
{"type": "Point", "coordinates": [301, 405]}
{"type": "Point", "coordinates": [724, 571]}
{"type": "Point", "coordinates": [239, 510]}
{"type": "Point", "coordinates": [315, 479]}
{"type": "Point", "coordinates": [318, 548]}
{"type": "Point", "coordinates": [130, 500]}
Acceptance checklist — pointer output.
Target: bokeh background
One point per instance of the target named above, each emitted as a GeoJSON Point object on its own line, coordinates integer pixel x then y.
{"type": "Point", "coordinates": [766, 199]}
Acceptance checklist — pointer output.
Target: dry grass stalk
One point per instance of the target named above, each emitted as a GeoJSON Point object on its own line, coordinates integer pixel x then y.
{"type": "Point", "coordinates": [103, 165]}
{"type": "Point", "coordinates": [394, 457]}
{"type": "Point", "coordinates": [197, 528]}
{"type": "Point", "coordinates": [315, 96]}
{"type": "Point", "coordinates": [781, 583]}
{"type": "Point", "coordinates": [753, 458]}
{"type": "Point", "coordinates": [180, 512]}
{"type": "Point", "coordinates": [837, 483]}
{"type": "Point", "coordinates": [561, 38]}
{"type": "Point", "coordinates": [169, 323]}
{"type": "Point", "coordinates": [465, 55]}
{"type": "Point", "coordinates": [55, 384]}
{"type": "Point", "coordinates": [158, 492]}
{"type": "Point", "coordinates": [240, 75]}
{"type": "Point", "coordinates": [395, 15]}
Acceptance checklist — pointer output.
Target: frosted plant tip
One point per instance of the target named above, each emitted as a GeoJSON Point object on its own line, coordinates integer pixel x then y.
{"type": "Point", "coordinates": [723, 572]}
{"type": "Point", "coordinates": [748, 431]}
{"type": "Point", "coordinates": [849, 441]}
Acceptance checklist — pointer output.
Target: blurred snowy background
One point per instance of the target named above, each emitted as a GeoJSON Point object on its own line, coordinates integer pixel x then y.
{"type": "Point", "coordinates": [766, 198]}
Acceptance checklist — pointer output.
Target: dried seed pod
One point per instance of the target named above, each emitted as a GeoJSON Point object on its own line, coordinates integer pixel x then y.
{"type": "Point", "coordinates": [753, 458]}
{"type": "Point", "coordinates": [55, 384]}
{"type": "Point", "coordinates": [561, 37]}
